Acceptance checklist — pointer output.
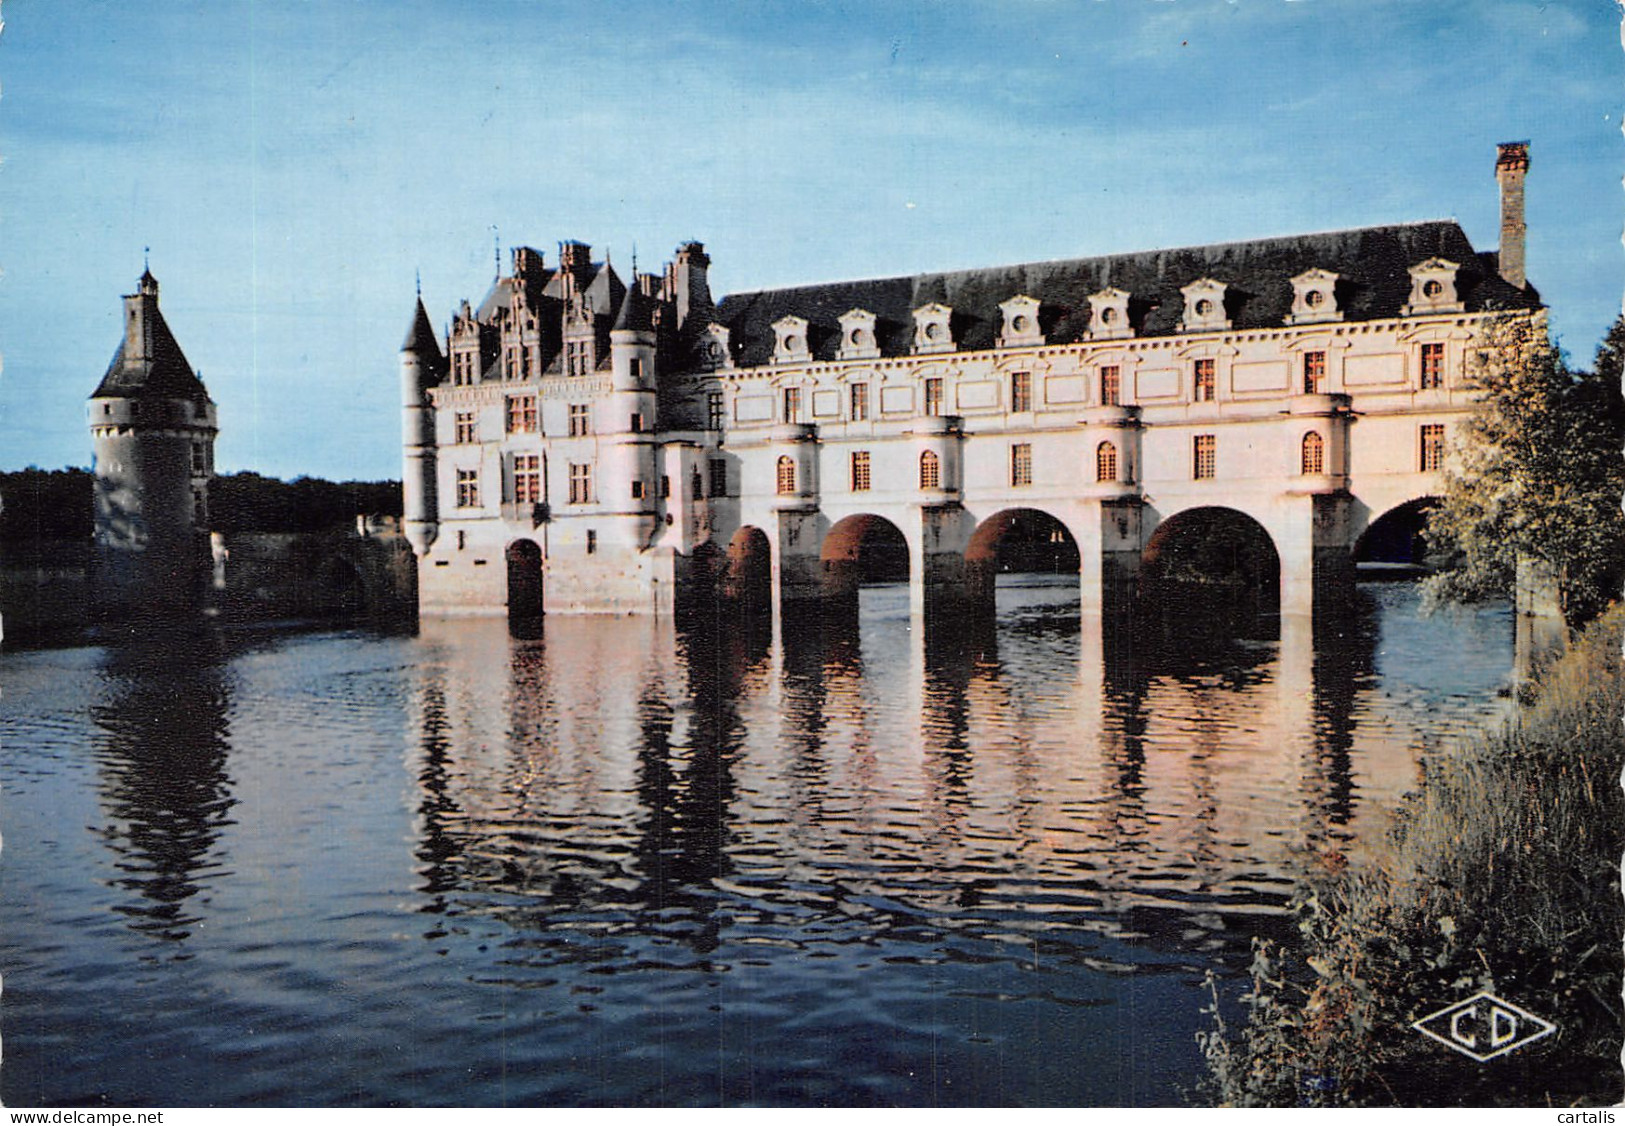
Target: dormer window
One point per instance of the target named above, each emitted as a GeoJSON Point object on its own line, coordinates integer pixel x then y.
{"type": "Point", "coordinates": [1433, 288]}
{"type": "Point", "coordinates": [858, 335]}
{"type": "Point", "coordinates": [714, 347]}
{"type": "Point", "coordinates": [1314, 298]}
{"type": "Point", "coordinates": [932, 329]}
{"type": "Point", "coordinates": [1020, 322]}
{"type": "Point", "coordinates": [790, 340]}
{"type": "Point", "coordinates": [1108, 315]}
{"type": "Point", "coordinates": [1204, 306]}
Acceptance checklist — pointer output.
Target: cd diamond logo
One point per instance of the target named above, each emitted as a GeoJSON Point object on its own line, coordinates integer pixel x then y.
{"type": "Point", "coordinates": [1484, 1026]}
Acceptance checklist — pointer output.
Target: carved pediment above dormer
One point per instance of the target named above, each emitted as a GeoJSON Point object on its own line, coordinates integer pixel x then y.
{"type": "Point", "coordinates": [858, 340]}
{"type": "Point", "coordinates": [1433, 288]}
{"type": "Point", "coordinates": [933, 328]}
{"type": "Point", "coordinates": [1314, 298]}
{"type": "Point", "coordinates": [1020, 325]}
{"type": "Point", "coordinates": [1204, 306]}
{"type": "Point", "coordinates": [790, 340]}
{"type": "Point", "coordinates": [1108, 315]}
{"type": "Point", "coordinates": [714, 349]}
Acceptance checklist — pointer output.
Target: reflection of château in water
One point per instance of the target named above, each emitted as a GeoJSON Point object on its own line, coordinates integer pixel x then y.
{"type": "Point", "coordinates": [580, 443]}
{"type": "Point", "coordinates": [1150, 787]}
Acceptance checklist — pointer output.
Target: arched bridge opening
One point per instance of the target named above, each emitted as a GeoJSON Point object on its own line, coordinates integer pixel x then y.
{"type": "Point", "coordinates": [1394, 545]}
{"type": "Point", "coordinates": [744, 575]}
{"type": "Point", "coordinates": [524, 560]}
{"type": "Point", "coordinates": [862, 550]}
{"type": "Point", "coordinates": [1210, 564]}
{"type": "Point", "coordinates": [1018, 549]}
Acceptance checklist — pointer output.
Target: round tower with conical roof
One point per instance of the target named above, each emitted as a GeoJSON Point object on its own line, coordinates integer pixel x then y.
{"type": "Point", "coordinates": [152, 427]}
{"type": "Point", "coordinates": [422, 367]}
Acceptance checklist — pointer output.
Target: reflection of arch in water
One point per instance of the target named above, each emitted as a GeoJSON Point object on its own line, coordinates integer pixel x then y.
{"type": "Point", "coordinates": [862, 549]}
{"type": "Point", "coordinates": [1394, 541]}
{"type": "Point", "coordinates": [1211, 558]}
{"type": "Point", "coordinates": [1016, 540]}
{"type": "Point", "coordinates": [524, 559]}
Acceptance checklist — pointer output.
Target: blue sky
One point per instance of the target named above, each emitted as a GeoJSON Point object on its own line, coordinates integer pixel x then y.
{"type": "Point", "coordinates": [291, 164]}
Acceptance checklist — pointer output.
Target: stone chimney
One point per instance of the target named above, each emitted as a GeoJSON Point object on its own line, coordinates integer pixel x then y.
{"type": "Point", "coordinates": [690, 287]}
{"type": "Point", "coordinates": [527, 262]}
{"type": "Point", "coordinates": [1511, 163]}
{"type": "Point", "coordinates": [574, 256]}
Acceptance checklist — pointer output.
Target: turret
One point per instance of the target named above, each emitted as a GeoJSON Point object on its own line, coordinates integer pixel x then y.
{"type": "Point", "coordinates": [422, 367]}
{"type": "Point", "coordinates": [630, 475]}
{"type": "Point", "coordinates": [152, 428]}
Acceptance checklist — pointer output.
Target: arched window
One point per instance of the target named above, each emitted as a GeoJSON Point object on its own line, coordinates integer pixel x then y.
{"type": "Point", "coordinates": [930, 471]}
{"type": "Point", "coordinates": [787, 475]}
{"type": "Point", "coordinates": [1105, 462]}
{"type": "Point", "coordinates": [1314, 453]}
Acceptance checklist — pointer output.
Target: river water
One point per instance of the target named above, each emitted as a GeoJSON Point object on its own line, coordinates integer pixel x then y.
{"type": "Point", "coordinates": [628, 863]}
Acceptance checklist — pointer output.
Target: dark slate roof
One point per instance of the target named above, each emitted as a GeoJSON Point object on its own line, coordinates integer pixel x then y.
{"type": "Point", "coordinates": [499, 296]}
{"type": "Point", "coordinates": [420, 337]}
{"type": "Point", "coordinates": [1373, 264]}
{"type": "Point", "coordinates": [605, 293]}
{"type": "Point", "coordinates": [163, 374]}
{"type": "Point", "coordinates": [636, 314]}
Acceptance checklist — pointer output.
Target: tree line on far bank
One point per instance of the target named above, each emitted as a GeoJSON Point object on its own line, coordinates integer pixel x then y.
{"type": "Point", "coordinates": [57, 505]}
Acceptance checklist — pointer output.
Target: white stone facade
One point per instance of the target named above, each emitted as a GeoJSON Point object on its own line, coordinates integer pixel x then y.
{"type": "Point", "coordinates": [1309, 384]}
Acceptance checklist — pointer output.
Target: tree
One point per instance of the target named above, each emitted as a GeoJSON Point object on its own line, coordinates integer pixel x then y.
{"type": "Point", "coordinates": [1535, 474]}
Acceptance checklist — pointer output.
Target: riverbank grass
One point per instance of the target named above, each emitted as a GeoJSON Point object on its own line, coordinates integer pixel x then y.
{"type": "Point", "coordinates": [1502, 873]}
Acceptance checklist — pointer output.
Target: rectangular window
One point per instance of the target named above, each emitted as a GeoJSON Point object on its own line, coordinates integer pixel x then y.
{"type": "Point", "coordinates": [792, 404]}
{"type": "Point", "coordinates": [1314, 372]}
{"type": "Point", "coordinates": [1021, 391]}
{"type": "Point", "coordinates": [637, 423]}
{"type": "Point", "coordinates": [580, 483]}
{"type": "Point", "coordinates": [200, 459]}
{"type": "Point", "coordinates": [860, 471]}
{"type": "Point", "coordinates": [462, 368]}
{"type": "Point", "coordinates": [578, 357]}
{"type": "Point", "coordinates": [1432, 447]}
{"type": "Point", "coordinates": [713, 410]}
{"type": "Point", "coordinates": [468, 429]}
{"type": "Point", "coordinates": [719, 477]}
{"type": "Point", "coordinates": [511, 362]}
{"type": "Point", "coordinates": [1205, 381]}
{"type": "Point", "coordinates": [1111, 385]}
{"type": "Point", "coordinates": [637, 490]}
{"type": "Point", "coordinates": [1021, 464]}
{"type": "Point", "coordinates": [592, 541]}
{"type": "Point", "coordinates": [636, 369]}
{"type": "Point", "coordinates": [1204, 457]}
{"type": "Point", "coordinates": [522, 414]}
{"type": "Point", "coordinates": [1432, 366]}
{"type": "Point", "coordinates": [859, 394]}
{"type": "Point", "coordinates": [525, 362]}
{"type": "Point", "coordinates": [580, 420]}
{"type": "Point", "coordinates": [468, 488]}
{"type": "Point", "coordinates": [665, 485]}
{"type": "Point", "coordinates": [933, 396]}
{"type": "Point", "coordinates": [527, 478]}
